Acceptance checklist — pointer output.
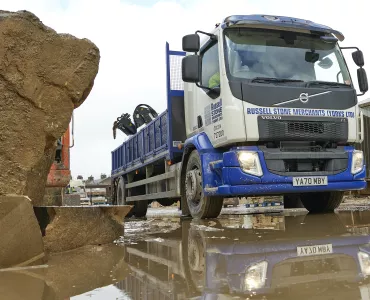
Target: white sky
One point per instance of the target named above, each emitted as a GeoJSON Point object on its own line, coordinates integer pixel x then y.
{"type": "Point", "coordinates": [131, 36]}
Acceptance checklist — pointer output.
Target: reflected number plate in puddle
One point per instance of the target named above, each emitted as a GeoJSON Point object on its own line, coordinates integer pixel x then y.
{"type": "Point", "coordinates": [308, 181]}
{"type": "Point", "coordinates": [315, 250]}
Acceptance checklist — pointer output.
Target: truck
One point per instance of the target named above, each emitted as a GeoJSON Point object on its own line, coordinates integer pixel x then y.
{"type": "Point", "coordinates": [262, 105]}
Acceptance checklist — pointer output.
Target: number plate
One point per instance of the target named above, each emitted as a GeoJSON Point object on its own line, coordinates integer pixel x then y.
{"type": "Point", "coordinates": [315, 250]}
{"type": "Point", "coordinates": [310, 181]}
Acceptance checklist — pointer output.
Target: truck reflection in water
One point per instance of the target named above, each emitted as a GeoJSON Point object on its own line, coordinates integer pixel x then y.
{"type": "Point", "coordinates": [256, 256]}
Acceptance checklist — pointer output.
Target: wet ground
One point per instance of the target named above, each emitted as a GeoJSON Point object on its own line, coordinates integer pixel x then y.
{"type": "Point", "coordinates": [244, 254]}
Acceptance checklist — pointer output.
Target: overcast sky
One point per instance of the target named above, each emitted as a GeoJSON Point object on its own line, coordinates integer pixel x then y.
{"type": "Point", "coordinates": [131, 36]}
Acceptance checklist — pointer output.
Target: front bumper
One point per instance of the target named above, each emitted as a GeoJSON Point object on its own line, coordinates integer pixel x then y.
{"type": "Point", "coordinates": [235, 182]}
{"type": "Point", "coordinates": [283, 188]}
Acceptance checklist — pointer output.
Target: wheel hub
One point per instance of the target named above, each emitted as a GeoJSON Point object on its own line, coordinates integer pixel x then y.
{"type": "Point", "coordinates": [195, 255]}
{"type": "Point", "coordinates": [193, 185]}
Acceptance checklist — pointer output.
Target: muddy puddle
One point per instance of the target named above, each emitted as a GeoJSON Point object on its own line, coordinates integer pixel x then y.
{"type": "Point", "coordinates": [289, 255]}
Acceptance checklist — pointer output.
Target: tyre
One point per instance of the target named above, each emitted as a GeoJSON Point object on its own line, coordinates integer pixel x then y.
{"type": "Point", "coordinates": [200, 206]}
{"type": "Point", "coordinates": [322, 202]}
{"type": "Point", "coordinates": [166, 202]}
{"type": "Point", "coordinates": [140, 207]}
{"type": "Point", "coordinates": [293, 201]}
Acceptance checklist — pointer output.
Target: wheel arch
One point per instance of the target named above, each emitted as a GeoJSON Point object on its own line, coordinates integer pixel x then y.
{"type": "Point", "coordinates": [207, 153]}
{"type": "Point", "coordinates": [199, 142]}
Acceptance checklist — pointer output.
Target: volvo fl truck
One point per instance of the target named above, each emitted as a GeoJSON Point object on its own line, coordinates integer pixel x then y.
{"type": "Point", "coordinates": [261, 105]}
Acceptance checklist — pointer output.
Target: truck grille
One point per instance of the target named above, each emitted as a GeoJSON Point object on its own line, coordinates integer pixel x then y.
{"type": "Point", "coordinates": [295, 130]}
{"type": "Point", "coordinates": [305, 128]}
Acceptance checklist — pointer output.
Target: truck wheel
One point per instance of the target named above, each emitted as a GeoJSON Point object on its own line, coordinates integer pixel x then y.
{"type": "Point", "coordinates": [140, 207]}
{"type": "Point", "coordinates": [293, 201]}
{"type": "Point", "coordinates": [322, 202]}
{"type": "Point", "coordinates": [166, 202]}
{"type": "Point", "coordinates": [200, 206]}
{"type": "Point", "coordinates": [121, 196]}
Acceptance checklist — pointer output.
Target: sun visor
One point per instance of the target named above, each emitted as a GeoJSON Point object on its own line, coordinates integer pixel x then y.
{"type": "Point", "coordinates": [277, 22]}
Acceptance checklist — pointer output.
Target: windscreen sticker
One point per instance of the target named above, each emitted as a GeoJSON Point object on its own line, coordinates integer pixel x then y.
{"type": "Point", "coordinates": [301, 112]}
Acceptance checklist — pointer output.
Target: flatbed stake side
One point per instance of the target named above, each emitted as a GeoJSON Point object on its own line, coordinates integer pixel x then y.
{"type": "Point", "coordinates": [263, 105]}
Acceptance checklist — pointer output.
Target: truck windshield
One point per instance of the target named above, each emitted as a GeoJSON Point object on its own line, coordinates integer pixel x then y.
{"type": "Point", "coordinates": [252, 54]}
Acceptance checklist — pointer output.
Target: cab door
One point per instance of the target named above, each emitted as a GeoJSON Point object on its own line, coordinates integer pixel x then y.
{"type": "Point", "coordinates": [207, 109]}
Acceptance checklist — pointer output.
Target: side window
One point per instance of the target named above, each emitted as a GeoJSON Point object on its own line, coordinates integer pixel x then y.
{"type": "Point", "coordinates": [210, 67]}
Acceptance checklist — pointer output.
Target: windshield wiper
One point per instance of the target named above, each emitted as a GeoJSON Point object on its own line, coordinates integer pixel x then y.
{"type": "Point", "coordinates": [272, 80]}
{"type": "Point", "coordinates": [327, 83]}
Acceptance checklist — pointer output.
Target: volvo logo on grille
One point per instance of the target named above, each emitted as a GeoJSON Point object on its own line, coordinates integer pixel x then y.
{"type": "Point", "coordinates": [304, 97]}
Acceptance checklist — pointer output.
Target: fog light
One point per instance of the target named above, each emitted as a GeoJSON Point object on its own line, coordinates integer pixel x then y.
{"type": "Point", "coordinates": [250, 162]}
{"type": "Point", "coordinates": [357, 161]}
{"type": "Point", "coordinates": [364, 260]}
{"type": "Point", "coordinates": [255, 276]}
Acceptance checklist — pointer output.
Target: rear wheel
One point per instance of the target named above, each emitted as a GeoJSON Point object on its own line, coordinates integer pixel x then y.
{"type": "Point", "coordinates": [166, 202]}
{"type": "Point", "coordinates": [140, 207]}
{"type": "Point", "coordinates": [322, 202]}
{"type": "Point", "coordinates": [200, 206]}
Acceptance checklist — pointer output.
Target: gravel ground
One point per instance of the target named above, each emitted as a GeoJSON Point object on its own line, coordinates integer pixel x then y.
{"type": "Point", "coordinates": [349, 203]}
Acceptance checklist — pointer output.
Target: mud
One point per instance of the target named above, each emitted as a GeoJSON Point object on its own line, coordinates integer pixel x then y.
{"type": "Point", "coordinates": [43, 77]}
{"type": "Point", "coordinates": [67, 274]}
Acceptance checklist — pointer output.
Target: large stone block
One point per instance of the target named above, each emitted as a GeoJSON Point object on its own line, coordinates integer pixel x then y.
{"type": "Point", "coordinates": [71, 227]}
{"type": "Point", "coordinates": [21, 241]}
{"type": "Point", "coordinates": [43, 77]}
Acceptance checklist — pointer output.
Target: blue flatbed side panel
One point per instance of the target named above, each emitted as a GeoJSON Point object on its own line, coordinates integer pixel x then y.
{"type": "Point", "coordinates": [149, 142]}
{"type": "Point", "coordinates": [159, 138]}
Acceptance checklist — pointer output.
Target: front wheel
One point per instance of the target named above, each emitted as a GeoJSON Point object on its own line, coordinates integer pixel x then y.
{"type": "Point", "coordinates": [322, 202]}
{"type": "Point", "coordinates": [200, 206]}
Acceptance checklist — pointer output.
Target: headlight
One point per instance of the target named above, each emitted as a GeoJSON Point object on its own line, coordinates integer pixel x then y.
{"type": "Point", "coordinates": [250, 162]}
{"type": "Point", "coordinates": [255, 276]}
{"type": "Point", "coordinates": [364, 260]}
{"type": "Point", "coordinates": [357, 161]}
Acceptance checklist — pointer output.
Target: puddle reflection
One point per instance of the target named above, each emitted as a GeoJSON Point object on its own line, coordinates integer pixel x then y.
{"type": "Point", "coordinates": [257, 256]}
{"type": "Point", "coordinates": [235, 257]}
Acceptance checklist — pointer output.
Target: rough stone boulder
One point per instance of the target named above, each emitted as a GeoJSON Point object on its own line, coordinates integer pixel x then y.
{"type": "Point", "coordinates": [43, 77]}
{"type": "Point", "coordinates": [66, 228]}
{"type": "Point", "coordinates": [21, 241]}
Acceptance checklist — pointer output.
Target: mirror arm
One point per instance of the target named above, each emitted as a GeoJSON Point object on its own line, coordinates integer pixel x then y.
{"type": "Point", "coordinates": [202, 87]}
{"type": "Point", "coordinates": [342, 48]}
{"type": "Point", "coordinates": [338, 75]}
{"type": "Point", "coordinates": [212, 36]}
